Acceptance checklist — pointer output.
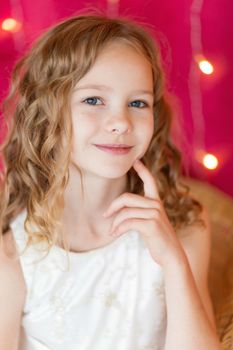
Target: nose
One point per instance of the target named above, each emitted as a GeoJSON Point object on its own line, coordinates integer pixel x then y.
{"type": "Point", "coordinates": [119, 123]}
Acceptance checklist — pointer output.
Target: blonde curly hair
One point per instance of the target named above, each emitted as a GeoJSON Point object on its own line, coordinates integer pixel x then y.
{"type": "Point", "coordinates": [37, 114]}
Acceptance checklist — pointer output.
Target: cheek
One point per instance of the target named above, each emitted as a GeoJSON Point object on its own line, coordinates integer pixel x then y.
{"type": "Point", "coordinates": [151, 127]}
{"type": "Point", "coordinates": [145, 135]}
{"type": "Point", "coordinates": [148, 130]}
{"type": "Point", "coordinates": [148, 138]}
{"type": "Point", "coordinates": [83, 129]}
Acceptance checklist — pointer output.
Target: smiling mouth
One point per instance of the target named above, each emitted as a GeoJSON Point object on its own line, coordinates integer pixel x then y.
{"type": "Point", "coordinates": [115, 149]}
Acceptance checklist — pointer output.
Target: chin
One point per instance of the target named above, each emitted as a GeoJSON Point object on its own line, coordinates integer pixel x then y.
{"type": "Point", "coordinates": [111, 172]}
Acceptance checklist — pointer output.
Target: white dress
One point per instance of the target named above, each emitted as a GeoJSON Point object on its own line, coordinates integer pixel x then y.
{"type": "Point", "coordinates": [109, 298]}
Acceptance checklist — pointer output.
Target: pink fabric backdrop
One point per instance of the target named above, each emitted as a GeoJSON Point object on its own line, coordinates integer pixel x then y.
{"type": "Point", "coordinates": [171, 19]}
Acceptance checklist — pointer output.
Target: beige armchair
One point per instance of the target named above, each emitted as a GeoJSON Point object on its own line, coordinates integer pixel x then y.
{"type": "Point", "coordinates": [220, 208]}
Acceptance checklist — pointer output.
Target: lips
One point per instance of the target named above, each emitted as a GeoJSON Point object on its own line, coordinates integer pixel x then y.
{"type": "Point", "coordinates": [114, 145]}
{"type": "Point", "coordinates": [115, 148]}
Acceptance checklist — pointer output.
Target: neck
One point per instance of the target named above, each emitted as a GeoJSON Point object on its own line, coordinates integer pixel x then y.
{"type": "Point", "coordinates": [86, 201]}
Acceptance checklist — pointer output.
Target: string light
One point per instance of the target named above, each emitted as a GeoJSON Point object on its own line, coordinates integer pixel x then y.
{"type": "Point", "coordinates": [17, 15]}
{"type": "Point", "coordinates": [206, 67]}
{"type": "Point", "coordinates": [11, 25]}
{"type": "Point", "coordinates": [194, 79]}
{"type": "Point", "coordinates": [210, 161]}
{"type": "Point", "coordinates": [206, 159]}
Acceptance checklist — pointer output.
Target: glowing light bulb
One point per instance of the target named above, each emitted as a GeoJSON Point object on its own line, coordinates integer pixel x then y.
{"type": "Point", "coordinates": [210, 161]}
{"type": "Point", "coordinates": [206, 67]}
{"type": "Point", "coordinates": [11, 25]}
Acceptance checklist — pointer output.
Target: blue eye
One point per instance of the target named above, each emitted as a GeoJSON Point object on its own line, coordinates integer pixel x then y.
{"type": "Point", "coordinates": [92, 101]}
{"type": "Point", "coordinates": [138, 102]}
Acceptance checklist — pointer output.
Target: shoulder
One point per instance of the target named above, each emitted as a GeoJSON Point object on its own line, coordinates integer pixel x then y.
{"type": "Point", "coordinates": [196, 238]}
{"type": "Point", "coordinates": [12, 293]}
{"type": "Point", "coordinates": [11, 273]}
{"type": "Point", "coordinates": [196, 242]}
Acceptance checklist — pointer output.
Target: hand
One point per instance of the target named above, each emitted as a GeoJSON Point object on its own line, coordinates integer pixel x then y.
{"type": "Point", "coordinates": [146, 215]}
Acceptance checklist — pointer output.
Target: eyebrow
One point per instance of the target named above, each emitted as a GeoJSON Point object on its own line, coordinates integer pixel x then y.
{"type": "Point", "coordinates": [104, 87]}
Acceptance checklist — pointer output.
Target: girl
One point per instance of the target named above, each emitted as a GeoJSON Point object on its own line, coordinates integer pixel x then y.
{"type": "Point", "coordinates": [90, 173]}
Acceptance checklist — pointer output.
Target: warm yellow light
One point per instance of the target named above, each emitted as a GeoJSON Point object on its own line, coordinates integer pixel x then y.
{"type": "Point", "coordinates": [206, 67]}
{"type": "Point", "coordinates": [11, 25]}
{"type": "Point", "coordinates": [210, 161]}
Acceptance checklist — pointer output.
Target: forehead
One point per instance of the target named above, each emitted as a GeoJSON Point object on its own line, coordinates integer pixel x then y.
{"type": "Point", "coordinates": [124, 47]}
{"type": "Point", "coordinates": [119, 62]}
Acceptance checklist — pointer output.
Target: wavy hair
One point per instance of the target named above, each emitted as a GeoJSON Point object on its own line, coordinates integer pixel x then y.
{"type": "Point", "coordinates": [36, 151]}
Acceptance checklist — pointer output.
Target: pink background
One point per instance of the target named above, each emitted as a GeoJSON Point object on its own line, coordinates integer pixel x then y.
{"type": "Point", "coordinates": [211, 129]}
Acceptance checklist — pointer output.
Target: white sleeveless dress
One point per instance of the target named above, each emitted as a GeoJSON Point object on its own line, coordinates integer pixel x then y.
{"type": "Point", "coordinates": [109, 298]}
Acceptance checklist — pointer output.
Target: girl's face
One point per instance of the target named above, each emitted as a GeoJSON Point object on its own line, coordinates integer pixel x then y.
{"type": "Point", "coordinates": [113, 104]}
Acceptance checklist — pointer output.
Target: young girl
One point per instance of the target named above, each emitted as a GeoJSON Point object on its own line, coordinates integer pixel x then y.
{"type": "Point", "coordinates": [102, 246]}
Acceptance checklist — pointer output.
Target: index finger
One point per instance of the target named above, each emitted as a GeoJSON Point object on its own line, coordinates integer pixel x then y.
{"type": "Point", "coordinates": [150, 185]}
